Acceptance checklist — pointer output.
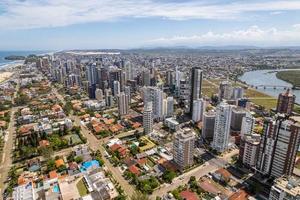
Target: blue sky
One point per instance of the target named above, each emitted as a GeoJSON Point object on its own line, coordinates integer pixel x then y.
{"type": "Point", "coordinates": [98, 24]}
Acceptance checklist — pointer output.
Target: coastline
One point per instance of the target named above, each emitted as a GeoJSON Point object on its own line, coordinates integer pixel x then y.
{"type": "Point", "coordinates": [7, 70]}
{"type": "Point", "coordinates": [270, 92]}
{"type": "Point", "coordinates": [5, 76]}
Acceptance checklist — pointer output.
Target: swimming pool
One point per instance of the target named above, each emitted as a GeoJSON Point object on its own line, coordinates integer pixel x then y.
{"type": "Point", "coordinates": [89, 164]}
{"type": "Point", "coordinates": [56, 189]}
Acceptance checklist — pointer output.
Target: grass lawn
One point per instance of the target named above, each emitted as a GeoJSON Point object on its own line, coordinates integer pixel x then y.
{"type": "Point", "coordinates": [81, 188]}
{"type": "Point", "coordinates": [252, 93]}
{"type": "Point", "coordinates": [257, 97]}
{"type": "Point", "coordinates": [297, 109]}
{"type": "Point", "coordinates": [290, 76]}
{"type": "Point", "coordinates": [267, 103]}
{"type": "Point", "coordinates": [209, 91]}
{"type": "Point", "coordinates": [75, 138]}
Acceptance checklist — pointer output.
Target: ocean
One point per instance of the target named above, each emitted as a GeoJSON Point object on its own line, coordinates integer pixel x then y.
{"type": "Point", "coordinates": [4, 63]}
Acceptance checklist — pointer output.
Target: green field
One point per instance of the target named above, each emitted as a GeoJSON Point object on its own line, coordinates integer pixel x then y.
{"type": "Point", "coordinates": [266, 103]}
{"type": "Point", "coordinates": [290, 76]}
{"type": "Point", "coordinates": [259, 98]}
{"type": "Point", "coordinates": [81, 188]}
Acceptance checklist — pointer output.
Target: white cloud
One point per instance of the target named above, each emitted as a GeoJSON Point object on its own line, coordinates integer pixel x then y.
{"type": "Point", "coordinates": [53, 13]}
{"type": "Point", "coordinates": [251, 36]}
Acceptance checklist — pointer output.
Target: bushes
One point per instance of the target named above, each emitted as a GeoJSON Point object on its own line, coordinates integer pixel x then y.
{"type": "Point", "coordinates": [147, 186]}
{"type": "Point", "coordinates": [168, 176]}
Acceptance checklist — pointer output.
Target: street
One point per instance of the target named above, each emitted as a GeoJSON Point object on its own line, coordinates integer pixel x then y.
{"type": "Point", "coordinates": [200, 171]}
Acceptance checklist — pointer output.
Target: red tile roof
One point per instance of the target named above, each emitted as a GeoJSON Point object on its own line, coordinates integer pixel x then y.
{"type": "Point", "coordinates": [239, 195]}
{"type": "Point", "coordinates": [133, 169]}
{"type": "Point", "coordinates": [188, 195]}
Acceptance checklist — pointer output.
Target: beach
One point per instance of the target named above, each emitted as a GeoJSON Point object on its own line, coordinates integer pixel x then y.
{"type": "Point", "coordinates": [5, 75]}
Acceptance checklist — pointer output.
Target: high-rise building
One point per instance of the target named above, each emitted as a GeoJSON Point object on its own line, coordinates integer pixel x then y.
{"type": "Point", "coordinates": [108, 98]}
{"type": "Point", "coordinates": [278, 148]}
{"type": "Point", "coordinates": [196, 86]}
{"type": "Point", "coordinates": [199, 106]}
{"type": "Point", "coordinates": [285, 102]}
{"type": "Point", "coordinates": [236, 118]}
{"type": "Point", "coordinates": [250, 149]}
{"type": "Point", "coordinates": [178, 77]}
{"type": "Point", "coordinates": [285, 188]}
{"type": "Point", "coordinates": [183, 148]}
{"type": "Point", "coordinates": [222, 127]}
{"type": "Point", "coordinates": [146, 77]}
{"type": "Point", "coordinates": [238, 93]}
{"type": "Point", "coordinates": [248, 123]}
{"type": "Point", "coordinates": [147, 118]}
{"type": "Point", "coordinates": [127, 91]}
{"type": "Point", "coordinates": [99, 94]}
{"type": "Point", "coordinates": [169, 78]}
{"type": "Point", "coordinates": [116, 88]}
{"type": "Point", "coordinates": [208, 125]}
{"type": "Point", "coordinates": [184, 94]}
{"type": "Point", "coordinates": [123, 104]}
{"type": "Point", "coordinates": [155, 96]}
{"type": "Point", "coordinates": [225, 90]}
{"type": "Point", "coordinates": [287, 145]}
{"type": "Point", "coordinates": [267, 146]}
{"type": "Point", "coordinates": [91, 74]}
{"type": "Point", "coordinates": [128, 70]}
{"type": "Point", "coordinates": [114, 75]}
{"type": "Point", "coordinates": [168, 106]}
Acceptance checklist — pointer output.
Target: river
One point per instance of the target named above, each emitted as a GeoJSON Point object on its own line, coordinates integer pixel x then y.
{"type": "Point", "coordinates": [268, 77]}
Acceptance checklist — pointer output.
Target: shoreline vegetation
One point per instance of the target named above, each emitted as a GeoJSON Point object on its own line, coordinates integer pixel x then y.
{"type": "Point", "coordinates": [290, 76]}
{"type": "Point", "coordinates": [15, 58]}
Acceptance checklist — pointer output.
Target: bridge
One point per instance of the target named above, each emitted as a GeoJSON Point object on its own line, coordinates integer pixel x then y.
{"type": "Point", "coordinates": [270, 86]}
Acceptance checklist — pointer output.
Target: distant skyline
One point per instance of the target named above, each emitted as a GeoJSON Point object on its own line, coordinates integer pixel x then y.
{"type": "Point", "coordinates": [123, 24]}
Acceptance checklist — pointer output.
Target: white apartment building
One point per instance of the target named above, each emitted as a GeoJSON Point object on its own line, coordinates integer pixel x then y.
{"type": "Point", "coordinates": [222, 127]}
{"type": "Point", "coordinates": [183, 148]}
{"type": "Point", "coordinates": [199, 107]}
{"type": "Point", "coordinates": [147, 118]}
{"type": "Point", "coordinates": [251, 146]}
{"type": "Point", "coordinates": [285, 189]}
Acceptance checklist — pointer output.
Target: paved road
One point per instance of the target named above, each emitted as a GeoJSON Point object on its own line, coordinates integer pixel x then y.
{"type": "Point", "coordinates": [6, 160]}
{"type": "Point", "coordinates": [200, 171]}
{"type": "Point", "coordinates": [96, 144]}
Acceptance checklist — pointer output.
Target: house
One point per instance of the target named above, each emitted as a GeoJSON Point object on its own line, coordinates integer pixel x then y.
{"type": "Point", "coordinates": [23, 191]}
{"type": "Point", "coordinates": [44, 143]}
{"type": "Point", "coordinates": [73, 168]}
{"type": "Point", "coordinates": [100, 187]}
{"type": "Point", "coordinates": [222, 176]}
{"type": "Point", "coordinates": [53, 175]}
{"type": "Point", "coordinates": [118, 148]}
{"type": "Point", "coordinates": [34, 165]}
{"type": "Point", "coordinates": [172, 124]}
{"type": "Point", "coordinates": [135, 170]}
{"type": "Point", "coordinates": [60, 162]}
{"type": "Point", "coordinates": [83, 152]}
{"type": "Point", "coordinates": [239, 195]}
{"type": "Point", "coordinates": [188, 195]}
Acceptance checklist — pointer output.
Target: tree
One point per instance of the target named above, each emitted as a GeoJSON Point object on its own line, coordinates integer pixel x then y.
{"type": "Point", "coordinates": [134, 150]}
{"type": "Point", "coordinates": [62, 168]}
{"type": "Point", "coordinates": [168, 176]}
{"type": "Point", "coordinates": [139, 196]}
{"type": "Point", "coordinates": [46, 152]}
{"type": "Point", "coordinates": [79, 159]}
{"type": "Point", "coordinates": [50, 165]}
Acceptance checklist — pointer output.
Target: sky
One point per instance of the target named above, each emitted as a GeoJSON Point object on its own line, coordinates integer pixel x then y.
{"type": "Point", "coordinates": [123, 24]}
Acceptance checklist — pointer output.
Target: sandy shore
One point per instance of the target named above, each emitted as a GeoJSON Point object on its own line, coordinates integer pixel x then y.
{"type": "Point", "coordinates": [5, 75]}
